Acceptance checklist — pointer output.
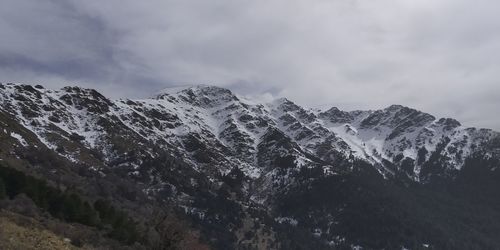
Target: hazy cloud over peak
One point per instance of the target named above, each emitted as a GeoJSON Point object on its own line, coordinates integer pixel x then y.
{"type": "Point", "coordinates": [437, 56]}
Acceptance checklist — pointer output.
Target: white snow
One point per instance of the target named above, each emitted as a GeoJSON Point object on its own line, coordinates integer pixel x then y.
{"type": "Point", "coordinates": [19, 138]}
{"type": "Point", "coordinates": [287, 220]}
{"type": "Point", "coordinates": [218, 110]}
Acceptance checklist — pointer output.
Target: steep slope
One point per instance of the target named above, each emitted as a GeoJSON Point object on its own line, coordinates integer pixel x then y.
{"type": "Point", "coordinates": [242, 170]}
{"type": "Point", "coordinates": [232, 129]}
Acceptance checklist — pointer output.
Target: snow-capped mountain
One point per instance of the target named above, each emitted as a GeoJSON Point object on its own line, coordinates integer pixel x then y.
{"type": "Point", "coordinates": [234, 128]}
{"type": "Point", "coordinates": [213, 135]}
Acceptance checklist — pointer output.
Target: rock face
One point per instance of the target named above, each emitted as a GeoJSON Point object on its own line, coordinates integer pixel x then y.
{"type": "Point", "coordinates": [242, 169]}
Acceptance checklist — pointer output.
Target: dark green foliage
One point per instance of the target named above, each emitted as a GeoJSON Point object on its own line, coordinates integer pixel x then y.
{"type": "Point", "coordinates": [384, 214]}
{"type": "Point", "coordinates": [3, 193]}
{"type": "Point", "coordinates": [479, 182]}
{"type": "Point", "coordinates": [122, 227]}
{"type": "Point", "coordinates": [69, 206]}
{"type": "Point", "coordinates": [63, 205]}
{"type": "Point", "coordinates": [217, 214]}
{"type": "Point", "coordinates": [77, 243]}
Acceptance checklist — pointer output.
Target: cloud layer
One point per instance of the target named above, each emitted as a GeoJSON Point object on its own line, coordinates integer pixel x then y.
{"type": "Point", "coordinates": [437, 56]}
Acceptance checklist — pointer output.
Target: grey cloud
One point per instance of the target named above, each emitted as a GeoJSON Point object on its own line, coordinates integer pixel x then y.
{"type": "Point", "coordinates": [438, 56]}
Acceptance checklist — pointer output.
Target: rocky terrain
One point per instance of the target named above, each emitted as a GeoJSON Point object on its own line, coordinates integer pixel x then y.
{"type": "Point", "coordinates": [232, 173]}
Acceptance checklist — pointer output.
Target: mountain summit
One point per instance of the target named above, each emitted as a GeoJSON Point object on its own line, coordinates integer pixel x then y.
{"type": "Point", "coordinates": [263, 175]}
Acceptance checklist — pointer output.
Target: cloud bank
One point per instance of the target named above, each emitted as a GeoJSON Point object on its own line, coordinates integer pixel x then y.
{"type": "Point", "coordinates": [437, 56]}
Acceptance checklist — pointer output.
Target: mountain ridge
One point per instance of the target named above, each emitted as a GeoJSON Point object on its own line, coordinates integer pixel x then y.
{"type": "Point", "coordinates": [194, 146]}
{"type": "Point", "coordinates": [215, 112]}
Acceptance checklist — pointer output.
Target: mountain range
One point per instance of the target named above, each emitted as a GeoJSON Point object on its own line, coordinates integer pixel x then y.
{"type": "Point", "coordinates": [239, 174]}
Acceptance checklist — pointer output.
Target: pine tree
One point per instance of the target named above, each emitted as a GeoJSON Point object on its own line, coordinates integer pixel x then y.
{"type": "Point", "coordinates": [3, 193]}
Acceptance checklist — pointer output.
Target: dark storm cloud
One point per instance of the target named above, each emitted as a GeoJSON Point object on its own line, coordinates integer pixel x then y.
{"type": "Point", "coordinates": [56, 43]}
{"type": "Point", "coordinates": [71, 68]}
{"type": "Point", "coordinates": [438, 56]}
{"type": "Point", "coordinates": [45, 32]}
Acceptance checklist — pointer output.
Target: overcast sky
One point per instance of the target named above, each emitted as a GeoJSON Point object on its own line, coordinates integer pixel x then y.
{"type": "Point", "coordinates": [439, 56]}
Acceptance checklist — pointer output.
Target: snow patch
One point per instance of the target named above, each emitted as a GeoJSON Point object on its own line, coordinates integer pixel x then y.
{"type": "Point", "coordinates": [19, 138]}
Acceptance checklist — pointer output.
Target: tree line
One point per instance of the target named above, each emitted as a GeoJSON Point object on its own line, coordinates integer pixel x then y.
{"type": "Point", "coordinates": [69, 206]}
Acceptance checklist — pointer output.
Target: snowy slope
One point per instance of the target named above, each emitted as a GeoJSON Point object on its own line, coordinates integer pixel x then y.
{"type": "Point", "coordinates": [211, 125]}
{"type": "Point", "coordinates": [227, 161]}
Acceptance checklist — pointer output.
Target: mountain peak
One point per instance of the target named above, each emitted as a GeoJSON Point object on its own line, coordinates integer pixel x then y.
{"type": "Point", "coordinates": [203, 150]}
{"type": "Point", "coordinates": [449, 123]}
{"type": "Point", "coordinates": [194, 87]}
{"type": "Point", "coordinates": [200, 95]}
{"type": "Point", "coordinates": [396, 107]}
{"type": "Point", "coordinates": [335, 115]}
{"type": "Point", "coordinates": [396, 116]}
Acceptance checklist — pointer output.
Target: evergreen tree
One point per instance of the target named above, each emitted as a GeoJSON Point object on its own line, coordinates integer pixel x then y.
{"type": "Point", "coordinates": [3, 193]}
{"type": "Point", "coordinates": [69, 206]}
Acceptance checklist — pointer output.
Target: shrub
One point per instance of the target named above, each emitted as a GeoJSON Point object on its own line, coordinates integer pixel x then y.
{"type": "Point", "coordinates": [68, 206]}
